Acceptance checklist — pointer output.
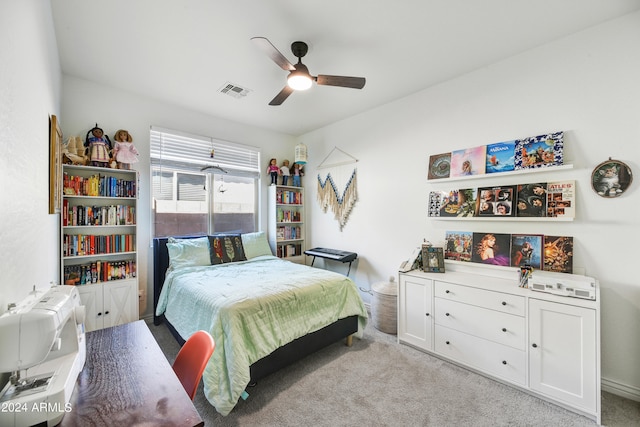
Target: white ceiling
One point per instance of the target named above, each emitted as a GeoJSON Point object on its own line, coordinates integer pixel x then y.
{"type": "Point", "coordinates": [184, 51]}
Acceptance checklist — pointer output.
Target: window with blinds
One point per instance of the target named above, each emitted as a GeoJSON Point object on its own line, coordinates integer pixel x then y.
{"type": "Point", "coordinates": [201, 185]}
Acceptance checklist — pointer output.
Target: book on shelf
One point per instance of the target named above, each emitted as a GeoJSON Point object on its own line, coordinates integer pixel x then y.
{"type": "Point", "coordinates": [291, 250]}
{"type": "Point", "coordinates": [98, 271]}
{"type": "Point", "coordinates": [79, 215]}
{"type": "Point", "coordinates": [83, 245]}
{"type": "Point", "coordinates": [287, 232]}
{"type": "Point", "coordinates": [97, 185]}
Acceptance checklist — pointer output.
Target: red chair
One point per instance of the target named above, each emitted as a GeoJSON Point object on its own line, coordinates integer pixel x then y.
{"type": "Point", "coordinates": [192, 359]}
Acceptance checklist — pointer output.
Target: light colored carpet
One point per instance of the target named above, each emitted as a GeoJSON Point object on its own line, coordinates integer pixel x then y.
{"type": "Point", "coordinates": [378, 382]}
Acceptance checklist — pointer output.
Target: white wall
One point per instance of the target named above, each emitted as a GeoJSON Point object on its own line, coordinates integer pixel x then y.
{"type": "Point", "coordinates": [586, 85]}
{"type": "Point", "coordinates": [85, 103]}
{"type": "Point", "coordinates": [29, 93]}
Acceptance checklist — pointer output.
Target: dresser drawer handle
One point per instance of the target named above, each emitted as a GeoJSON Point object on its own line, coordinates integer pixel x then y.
{"type": "Point", "coordinates": [446, 342]}
{"type": "Point", "coordinates": [446, 314]}
{"type": "Point", "coordinates": [504, 303]}
{"type": "Point", "coordinates": [504, 362]}
{"type": "Point", "coordinates": [426, 314]}
{"type": "Point", "coordinates": [447, 291]}
{"type": "Point", "coordinates": [504, 329]}
{"type": "Point", "coordinates": [534, 345]}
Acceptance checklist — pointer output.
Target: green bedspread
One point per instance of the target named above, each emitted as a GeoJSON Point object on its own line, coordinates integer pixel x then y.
{"type": "Point", "coordinates": [251, 308]}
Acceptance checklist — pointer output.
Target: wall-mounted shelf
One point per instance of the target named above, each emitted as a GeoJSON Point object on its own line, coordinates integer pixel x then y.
{"type": "Point", "coordinates": [502, 174]}
{"type": "Point", "coordinates": [502, 218]}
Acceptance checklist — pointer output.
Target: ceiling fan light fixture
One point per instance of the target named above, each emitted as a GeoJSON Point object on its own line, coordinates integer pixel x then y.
{"type": "Point", "coordinates": [299, 81]}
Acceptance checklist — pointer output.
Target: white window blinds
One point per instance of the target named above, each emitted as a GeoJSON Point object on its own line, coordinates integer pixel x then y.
{"type": "Point", "coordinates": [181, 151]}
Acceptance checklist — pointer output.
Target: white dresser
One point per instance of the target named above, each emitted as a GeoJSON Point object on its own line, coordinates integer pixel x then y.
{"type": "Point", "coordinates": [478, 317]}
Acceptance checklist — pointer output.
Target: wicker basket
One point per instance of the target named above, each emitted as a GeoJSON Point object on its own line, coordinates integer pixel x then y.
{"type": "Point", "coordinates": [384, 311]}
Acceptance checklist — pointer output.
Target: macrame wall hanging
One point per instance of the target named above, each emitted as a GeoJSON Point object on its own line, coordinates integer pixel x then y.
{"type": "Point", "coordinates": [338, 189]}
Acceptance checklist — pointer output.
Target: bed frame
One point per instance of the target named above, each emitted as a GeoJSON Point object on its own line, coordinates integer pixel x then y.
{"type": "Point", "coordinates": [281, 357]}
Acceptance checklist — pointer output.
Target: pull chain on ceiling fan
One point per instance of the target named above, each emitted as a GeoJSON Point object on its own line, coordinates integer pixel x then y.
{"type": "Point", "coordinates": [299, 77]}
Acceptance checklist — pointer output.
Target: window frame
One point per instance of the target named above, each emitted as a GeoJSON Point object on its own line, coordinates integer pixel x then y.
{"type": "Point", "coordinates": [183, 153]}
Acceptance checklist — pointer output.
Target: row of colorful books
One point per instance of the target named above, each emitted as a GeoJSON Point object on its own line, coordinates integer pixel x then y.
{"type": "Point", "coordinates": [288, 233]}
{"type": "Point", "coordinates": [78, 215]}
{"type": "Point", "coordinates": [285, 215]}
{"type": "Point", "coordinates": [99, 271]}
{"type": "Point", "coordinates": [288, 197]}
{"type": "Point", "coordinates": [97, 186]}
{"type": "Point", "coordinates": [527, 153]}
{"type": "Point", "coordinates": [284, 251]}
{"type": "Point", "coordinates": [82, 244]}
{"type": "Point", "coordinates": [541, 252]}
{"type": "Point", "coordinates": [538, 199]}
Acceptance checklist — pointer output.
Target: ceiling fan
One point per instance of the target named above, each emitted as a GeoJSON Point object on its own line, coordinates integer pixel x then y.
{"type": "Point", "coordinates": [299, 76]}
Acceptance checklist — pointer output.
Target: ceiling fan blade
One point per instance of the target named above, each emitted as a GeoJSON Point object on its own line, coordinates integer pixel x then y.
{"type": "Point", "coordinates": [273, 53]}
{"type": "Point", "coordinates": [342, 81]}
{"type": "Point", "coordinates": [284, 94]}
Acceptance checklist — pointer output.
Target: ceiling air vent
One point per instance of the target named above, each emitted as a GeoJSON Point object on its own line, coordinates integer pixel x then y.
{"type": "Point", "coordinates": [234, 90]}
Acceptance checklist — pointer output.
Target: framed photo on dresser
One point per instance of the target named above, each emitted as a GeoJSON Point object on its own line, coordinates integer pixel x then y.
{"type": "Point", "coordinates": [432, 259]}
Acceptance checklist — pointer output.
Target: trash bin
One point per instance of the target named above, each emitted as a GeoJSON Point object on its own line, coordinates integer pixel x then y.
{"type": "Point", "coordinates": [384, 306]}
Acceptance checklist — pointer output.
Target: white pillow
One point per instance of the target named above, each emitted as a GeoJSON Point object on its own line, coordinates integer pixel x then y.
{"type": "Point", "coordinates": [255, 244]}
{"type": "Point", "coordinates": [188, 252]}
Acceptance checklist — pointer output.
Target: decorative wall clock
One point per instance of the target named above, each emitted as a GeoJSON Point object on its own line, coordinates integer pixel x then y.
{"type": "Point", "coordinates": [611, 178]}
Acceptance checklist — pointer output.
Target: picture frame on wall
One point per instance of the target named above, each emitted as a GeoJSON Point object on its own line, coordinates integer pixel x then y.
{"type": "Point", "coordinates": [432, 259]}
{"type": "Point", "coordinates": [611, 178]}
{"type": "Point", "coordinates": [55, 166]}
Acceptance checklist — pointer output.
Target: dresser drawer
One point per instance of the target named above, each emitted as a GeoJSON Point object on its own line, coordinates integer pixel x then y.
{"type": "Point", "coordinates": [495, 359]}
{"type": "Point", "coordinates": [503, 328]}
{"type": "Point", "coordinates": [507, 303]}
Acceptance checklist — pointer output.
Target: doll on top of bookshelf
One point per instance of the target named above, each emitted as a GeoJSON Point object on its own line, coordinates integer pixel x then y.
{"type": "Point", "coordinates": [273, 170]}
{"type": "Point", "coordinates": [124, 152]}
{"type": "Point", "coordinates": [285, 172]}
{"type": "Point", "coordinates": [98, 146]}
{"type": "Point", "coordinates": [297, 173]}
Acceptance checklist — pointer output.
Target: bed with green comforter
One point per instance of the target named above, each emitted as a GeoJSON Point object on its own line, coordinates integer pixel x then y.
{"type": "Point", "coordinates": [251, 308]}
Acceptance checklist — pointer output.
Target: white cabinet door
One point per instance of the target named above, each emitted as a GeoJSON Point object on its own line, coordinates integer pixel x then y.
{"type": "Point", "coordinates": [415, 316]}
{"type": "Point", "coordinates": [109, 304]}
{"type": "Point", "coordinates": [562, 353]}
{"type": "Point", "coordinates": [120, 302]}
{"type": "Point", "coordinates": [92, 299]}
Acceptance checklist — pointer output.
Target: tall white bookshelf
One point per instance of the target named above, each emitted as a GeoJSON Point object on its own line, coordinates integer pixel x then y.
{"type": "Point", "coordinates": [99, 242]}
{"type": "Point", "coordinates": [286, 230]}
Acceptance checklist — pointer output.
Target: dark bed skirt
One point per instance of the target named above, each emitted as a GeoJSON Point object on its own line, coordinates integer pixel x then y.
{"type": "Point", "coordinates": [295, 350]}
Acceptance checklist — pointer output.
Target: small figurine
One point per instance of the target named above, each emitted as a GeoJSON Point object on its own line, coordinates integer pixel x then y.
{"type": "Point", "coordinates": [98, 146]}
{"type": "Point", "coordinates": [74, 152]}
{"type": "Point", "coordinates": [284, 170]}
{"type": "Point", "coordinates": [298, 172]}
{"type": "Point", "coordinates": [124, 151]}
{"type": "Point", "coordinates": [274, 171]}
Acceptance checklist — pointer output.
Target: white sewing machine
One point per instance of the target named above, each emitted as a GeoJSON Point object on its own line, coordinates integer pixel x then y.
{"type": "Point", "coordinates": [43, 336]}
